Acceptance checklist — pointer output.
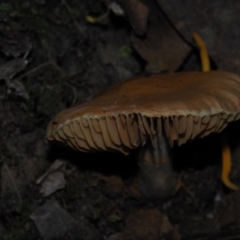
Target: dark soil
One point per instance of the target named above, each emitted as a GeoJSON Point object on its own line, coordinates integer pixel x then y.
{"type": "Point", "coordinates": [62, 60]}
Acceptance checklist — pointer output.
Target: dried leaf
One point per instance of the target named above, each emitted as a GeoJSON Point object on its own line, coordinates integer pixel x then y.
{"type": "Point", "coordinates": [53, 182]}
{"type": "Point", "coordinates": [162, 47]}
{"type": "Point", "coordinates": [53, 179]}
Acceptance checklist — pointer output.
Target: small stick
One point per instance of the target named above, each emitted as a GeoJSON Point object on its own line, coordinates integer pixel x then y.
{"type": "Point", "coordinates": [13, 182]}
{"type": "Point", "coordinates": [50, 62]}
{"type": "Point", "coordinates": [73, 18]}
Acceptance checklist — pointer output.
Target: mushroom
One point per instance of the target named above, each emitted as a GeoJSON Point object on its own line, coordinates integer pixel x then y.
{"type": "Point", "coordinates": [151, 114]}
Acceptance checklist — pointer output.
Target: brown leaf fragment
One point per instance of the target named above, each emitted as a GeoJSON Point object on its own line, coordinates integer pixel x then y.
{"type": "Point", "coordinates": [114, 185]}
{"type": "Point", "coordinates": [149, 224]}
{"type": "Point", "coordinates": [162, 47]}
{"type": "Point", "coordinates": [137, 13]}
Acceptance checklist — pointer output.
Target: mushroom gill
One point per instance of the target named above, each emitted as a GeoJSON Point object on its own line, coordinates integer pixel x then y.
{"type": "Point", "coordinates": [141, 113]}
{"type": "Point", "coordinates": [185, 105]}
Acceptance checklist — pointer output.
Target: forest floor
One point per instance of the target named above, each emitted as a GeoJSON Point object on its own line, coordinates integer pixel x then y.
{"type": "Point", "coordinates": [51, 58]}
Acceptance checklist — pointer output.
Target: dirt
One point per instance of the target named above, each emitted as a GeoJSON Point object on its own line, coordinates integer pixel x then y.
{"type": "Point", "coordinates": [51, 58]}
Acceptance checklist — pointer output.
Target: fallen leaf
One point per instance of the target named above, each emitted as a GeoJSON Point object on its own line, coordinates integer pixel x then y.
{"type": "Point", "coordinates": [161, 46]}
{"type": "Point", "coordinates": [53, 179]}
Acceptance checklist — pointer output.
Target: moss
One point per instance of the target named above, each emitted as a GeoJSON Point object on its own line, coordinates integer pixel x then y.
{"type": "Point", "coordinates": [126, 51]}
{"type": "Point", "coordinates": [114, 217]}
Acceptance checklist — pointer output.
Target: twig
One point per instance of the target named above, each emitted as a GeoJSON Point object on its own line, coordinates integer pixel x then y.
{"type": "Point", "coordinates": [73, 18]}
{"type": "Point", "coordinates": [74, 93]}
{"type": "Point", "coordinates": [13, 183]}
{"type": "Point", "coordinates": [50, 62]}
{"type": "Point", "coordinates": [181, 184]}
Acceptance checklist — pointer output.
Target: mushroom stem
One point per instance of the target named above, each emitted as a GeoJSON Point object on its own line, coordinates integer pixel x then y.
{"type": "Point", "coordinates": [156, 176]}
{"type": "Point", "coordinates": [203, 52]}
{"type": "Point", "coordinates": [226, 165]}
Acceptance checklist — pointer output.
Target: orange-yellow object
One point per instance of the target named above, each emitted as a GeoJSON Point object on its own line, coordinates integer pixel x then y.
{"type": "Point", "coordinates": [226, 165]}
{"type": "Point", "coordinates": [203, 52]}
{"type": "Point", "coordinates": [226, 153]}
{"type": "Point", "coordinates": [98, 19]}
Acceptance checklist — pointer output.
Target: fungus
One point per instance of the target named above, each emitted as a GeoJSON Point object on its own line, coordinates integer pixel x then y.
{"type": "Point", "coordinates": [151, 114]}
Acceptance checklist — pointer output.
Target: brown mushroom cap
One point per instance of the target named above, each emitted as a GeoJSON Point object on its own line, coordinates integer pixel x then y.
{"type": "Point", "coordinates": [185, 105]}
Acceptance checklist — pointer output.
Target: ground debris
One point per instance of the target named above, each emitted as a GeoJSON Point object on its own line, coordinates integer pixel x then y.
{"type": "Point", "coordinates": [53, 179]}
{"type": "Point", "coordinates": [69, 61]}
{"type": "Point", "coordinates": [137, 13]}
{"type": "Point", "coordinates": [11, 68]}
{"type": "Point", "coordinates": [52, 221]}
{"type": "Point", "coordinates": [114, 184]}
{"type": "Point", "coordinates": [159, 44]}
{"type": "Point", "coordinates": [8, 71]}
{"type": "Point", "coordinates": [17, 176]}
{"type": "Point", "coordinates": [148, 224]}
{"type": "Point", "coordinates": [14, 43]}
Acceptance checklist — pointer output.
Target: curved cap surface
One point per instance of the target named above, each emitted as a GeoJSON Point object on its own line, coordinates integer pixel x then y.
{"type": "Point", "coordinates": [184, 105]}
